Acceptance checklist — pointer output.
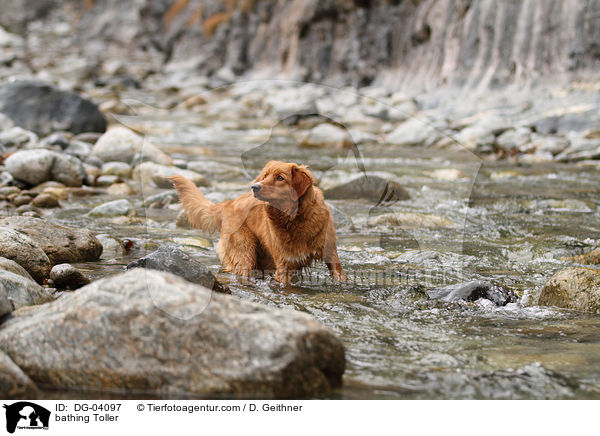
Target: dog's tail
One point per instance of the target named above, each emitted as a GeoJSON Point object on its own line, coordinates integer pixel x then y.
{"type": "Point", "coordinates": [202, 213]}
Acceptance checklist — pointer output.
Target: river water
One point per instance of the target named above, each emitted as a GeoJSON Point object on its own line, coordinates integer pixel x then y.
{"type": "Point", "coordinates": [511, 225]}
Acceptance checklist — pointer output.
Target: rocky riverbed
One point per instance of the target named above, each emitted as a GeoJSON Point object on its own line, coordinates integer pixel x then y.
{"type": "Point", "coordinates": [469, 233]}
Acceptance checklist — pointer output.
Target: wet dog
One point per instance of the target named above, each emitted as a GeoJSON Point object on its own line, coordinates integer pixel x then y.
{"type": "Point", "coordinates": [281, 224]}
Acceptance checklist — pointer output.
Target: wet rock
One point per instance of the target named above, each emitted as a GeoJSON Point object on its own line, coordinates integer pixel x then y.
{"type": "Point", "coordinates": [88, 137]}
{"type": "Point", "coordinates": [111, 247]}
{"type": "Point", "coordinates": [107, 180]}
{"type": "Point", "coordinates": [415, 131]}
{"type": "Point", "coordinates": [482, 133]}
{"type": "Point", "coordinates": [66, 276]}
{"type": "Point", "coordinates": [113, 208]}
{"type": "Point", "coordinates": [591, 258]}
{"type": "Point", "coordinates": [17, 138]}
{"type": "Point", "coordinates": [45, 201]}
{"type": "Point", "coordinates": [372, 188]}
{"type": "Point", "coordinates": [580, 149]}
{"type": "Point", "coordinates": [81, 150]}
{"type": "Point", "coordinates": [120, 169]}
{"type": "Point", "coordinates": [20, 200]}
{"type": "Point", "coordinates": [14, 384]}
{"type": "Point", "coordinates": [43, 186]}
{"type": "Point", "coordinates": [549, 144]}
{"type": "Point", "coordinates": [43, 109]}
{"type": "Point", "coordinates": [149, 173]}
{"type": "Point", "coordinates": [13, 267]}
{"type": "Point", "coordinates": [162, 198]}
{"type": "Point", "coordinates": [6, 178]}
{"type": "Point", "coordinates": [573, 288]}
{"type": "Point", "coordinates": [122, 145]}
{"type": "Point", "coordinates": [154, 332]}
{"type": "Point", "coordinates": [517, 139]}
{"type": "Point", "coordinates": [326, 136]}
{"type": "Point", "coordinates": [60, 243]}
{"type": "Point", "coordinates": [473, 291]}
{"type": "Point", "coordinates": [171, 258]}
{"type": "Point", "coordinates": [24, 251]}
{"type": "Point", "coordinates": [409, 220]}
{"type": "Point", "coordinates": [37, 166]}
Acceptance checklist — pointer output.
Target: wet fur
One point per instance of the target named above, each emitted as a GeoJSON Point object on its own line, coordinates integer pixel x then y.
{"type": "Point", "coordinates": [287, 227]}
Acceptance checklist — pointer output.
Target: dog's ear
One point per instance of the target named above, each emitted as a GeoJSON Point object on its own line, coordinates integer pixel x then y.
{"type": "Point", "coordinates": [302, 179]}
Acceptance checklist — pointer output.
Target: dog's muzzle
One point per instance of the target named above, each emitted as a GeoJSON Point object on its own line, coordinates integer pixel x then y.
{"type": "Point", "coordinates": [256, 188]}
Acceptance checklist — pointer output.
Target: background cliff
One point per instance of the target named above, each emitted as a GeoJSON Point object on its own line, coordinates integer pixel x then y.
{"type": "Point", "coordinates": [403, 45]}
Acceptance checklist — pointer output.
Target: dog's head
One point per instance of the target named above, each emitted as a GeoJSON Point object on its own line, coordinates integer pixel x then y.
{"type": "Point", "coordinates": [282, 184]}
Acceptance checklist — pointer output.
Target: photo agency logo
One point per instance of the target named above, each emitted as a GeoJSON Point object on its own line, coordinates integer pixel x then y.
{"type": "Point", "coordinates": [357, 146]}
{"type": "Point", "coordinates": [25, 415]}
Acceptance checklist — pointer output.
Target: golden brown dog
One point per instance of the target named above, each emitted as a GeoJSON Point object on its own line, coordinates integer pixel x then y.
{"type": "Point", "coordinates": [282, 224]}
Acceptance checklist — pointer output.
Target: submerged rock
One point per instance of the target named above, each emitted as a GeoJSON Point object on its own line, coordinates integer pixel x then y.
{"type": "Point", "coordinates": [573, 288]}
{"type": "Point", "coordinates": [171, 258]}
{"type": "Point", "coordinates": [60, 243]}
{"type": "Point", "coordinates": [14, 384]}
{"type": "Point", "coordinates": [67, 276]}
{"type": "Point", "coordinates": [152, 332]}
{"type": "Point", "coordinates": [371, 188]}
{"type": "Point", "coordinates": [43, 109]}
{"type": "Point", "coordinates": [473, 291]}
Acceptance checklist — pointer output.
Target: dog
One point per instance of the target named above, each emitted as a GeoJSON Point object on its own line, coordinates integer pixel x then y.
{"type": "Point", "coordinates": [281, 224]}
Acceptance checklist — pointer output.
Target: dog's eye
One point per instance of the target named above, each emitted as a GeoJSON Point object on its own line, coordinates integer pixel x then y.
{"type": "Point", "coordinates": [279, 178]}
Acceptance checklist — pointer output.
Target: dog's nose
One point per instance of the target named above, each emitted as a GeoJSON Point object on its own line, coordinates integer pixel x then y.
{"type": "Point", "coordinates": [256, 187]}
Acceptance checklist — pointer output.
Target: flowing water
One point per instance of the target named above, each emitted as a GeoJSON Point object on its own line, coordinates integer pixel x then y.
{"type": "Point", "coordinates": [511, 224]}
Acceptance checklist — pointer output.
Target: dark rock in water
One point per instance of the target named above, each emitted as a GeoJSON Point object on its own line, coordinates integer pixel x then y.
{"type": "Point", "coordinates": [372, 188]}
{"type": "Point", "coordinates": [66, 276]}
{"type": "Point", "coordinates": [60, 243]}
{"type": "Point", "coordinates": [171, 258]}
{"type": "Point", "coordinates": [22, 291]}
{"type": "Point", "coordinates": [473, 291]}
{"type": "Point", "coordinates": [14, 384]}
{"type": "Point", "coordinates": [152, 332]}
{"type": "Point", "coordinates": [43, 109]}
{"type": "Point", "coordinates": [24, 251]}
{"type": "Point", "coordinates": [573, 288]}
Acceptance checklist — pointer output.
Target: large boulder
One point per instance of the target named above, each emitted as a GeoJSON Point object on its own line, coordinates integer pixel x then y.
{"type": "Point", "coordinates": [573, 288]}
{"type": "Point", "coordinates": [16, 246]}
{"type": "Point", "coordinates": [60, 243]}
{"type": "Point", "coordinates": [372, 188]}
{"type": "Point", "coordinates": [38, 166]}
{"type": "Point", "coordinates": [172, 259]}
{"type": "Point", "coordinates": [13, 267]}
{"type": "Point", "coordinates": [123, 145]}
{"type": "Point", "coordinates": [44, 109]}
{"type": "Point", "coordinates": [153, 332]}
{"type": "Point", "coordinates": [14, 384]}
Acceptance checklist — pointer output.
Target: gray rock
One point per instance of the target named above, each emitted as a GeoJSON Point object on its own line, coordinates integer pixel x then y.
{"type": "Point", "coordinates": [163, 198]}
{"type": "Point", "coordinates": [292, 102]}
{"type": "Point", "coordinates": [580, 149]}
{"type": "Point", "coordinates": [326, 136]}
{"type": "Point", "coordinates": [13, 267]}
{"type": "Point", "coordinates": [24, 251]}
{"type": "Point", "coordinates": [6, 306]}
{"type": "Point", "coordinates": [107, 180]}
{"type": "Point", "coordinates": [43, 109]}
{"type": "Point", "coordinates": [517, 139]}
{"type": "Point", "coordinates": [149, 173]}
{"type": "Point", "coordinates": [122, 145]}
{"type": "Point", "coordinates": [482, 133]}
{"type": "Point", "coordinates": [473, 291]}
{"type": "Point", "coordinates": [153, 332]}
{"type": "Point", "coordinates": [37, 166]}
{"type": "Point", "coordinates": [573, 288]}
{"type": "Point", "coordinates": [549, 144]}
{"type": "Point", "coordinates": [113, 208]}
{"type": "Point", "coordinates": [14, 384]}
{"type": "Point", "coordinates": [22, 292]}
{"type": "Point", "coordinates": [340, 219]}
{"type": "Point", "coordinates": [66, 276]}
{"type": "Point", "coordinates": [17, 137]}
{"type": "Point", "coordinates": [79, 149]}
{"type": "Point", "coordinates": [171, 258]}
{"type": "Point", "coordinates": [371, 188]}
{"type": "Point", "coordinates": [60, 243]}
{"type": "Point", "coordinates": [416, 131]}
{"type": "Point", "coordinates": [6, 178]}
